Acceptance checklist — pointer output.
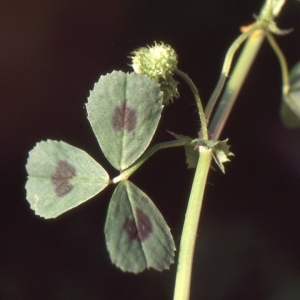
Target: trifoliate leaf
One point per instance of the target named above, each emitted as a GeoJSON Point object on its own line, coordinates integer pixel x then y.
{"type": "Point", "coordinates": [137, 235]}
{"type": "Point", "coordinates": [61, 177]}
{"type": "Point", "coordinates": [124, 110]}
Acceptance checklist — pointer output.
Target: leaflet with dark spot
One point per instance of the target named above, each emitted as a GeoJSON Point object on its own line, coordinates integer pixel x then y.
{"type": "Point", "coordinates": [142, 231]}
{"type": "Point", "coordinates": [61, 178]}
{"type": "Point", "coordinates": [124, 117]}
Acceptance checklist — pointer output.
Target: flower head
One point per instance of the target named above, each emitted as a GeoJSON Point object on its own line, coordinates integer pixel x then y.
{"type": "Point", "coordinates": [158, 62]}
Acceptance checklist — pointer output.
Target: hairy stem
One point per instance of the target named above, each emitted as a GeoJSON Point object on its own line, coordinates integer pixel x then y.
{"type": "Point", "coordinates": [198, 102]}
{"type": "Point", "coordinates": [234, 84]}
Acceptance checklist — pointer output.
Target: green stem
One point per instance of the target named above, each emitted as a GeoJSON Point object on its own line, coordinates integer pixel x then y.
{"type": "Point", "coordinates": [187, 245]}
{"type": "Point", "coordinates": [269, 10]}
{"type": "Point", "coordinates": [282, 62]}
{"type": "Point", "coordinates": [198, 102]}
{"type": "Point", "coordinates": [225, 70]}
{"type": "Point", "coordinates": [125, 174]}
{"type": "Point", "coordinates": [190, 228]}
{"type": "Point", "coordinates": [235, 83]}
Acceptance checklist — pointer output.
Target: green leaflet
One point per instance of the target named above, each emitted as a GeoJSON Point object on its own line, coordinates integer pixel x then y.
{"type": "Point", "coordinates": [290, 104]}
{"type": "Point", "coordinates": [287, 115]}
{"type": "Point", "coordinates": [61, 177]}
{"type": "Point", "coordinates": [137, 235]}
{"type": "Point", "coordinates": [124, 110]}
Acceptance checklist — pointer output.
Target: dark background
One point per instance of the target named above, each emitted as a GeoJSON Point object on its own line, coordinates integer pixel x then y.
{"type": "Point", "coordinates": [51, 53]}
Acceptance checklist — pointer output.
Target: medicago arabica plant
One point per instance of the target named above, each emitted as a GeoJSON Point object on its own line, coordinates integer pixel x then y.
{"type": "Point", "coordinates": [124, 110]}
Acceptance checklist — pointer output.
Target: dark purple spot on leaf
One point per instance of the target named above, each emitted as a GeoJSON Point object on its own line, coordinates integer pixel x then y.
{"type": "Point", "coordinates": [131, 229]}
{"type": "Point", "coordinates": [124, 118]}
{"type": "Point", "coordinates": [144, 225]}
{"type": "Point", "coordinates": [142, 231]}
{"type": "Point", "coordinates": [61, 176]}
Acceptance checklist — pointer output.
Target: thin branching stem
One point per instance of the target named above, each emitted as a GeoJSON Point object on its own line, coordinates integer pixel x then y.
{"type": "Point", "coordinates": [235, 83]}
{"type": "Point", "coordinates": [282, 62]}
{"type": "Point", "coordinates": [125, 174]}
{"type": "Point", "coordinates": [225, 70]}
{"type": "Point", "coordinates": [198, 102]}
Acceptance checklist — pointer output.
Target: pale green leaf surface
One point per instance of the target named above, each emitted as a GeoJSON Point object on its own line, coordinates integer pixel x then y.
{"type": "Point", "coordinates": [137, 235]}
{"type": "Point", "coordinates": [124, 111]}
{"type": "Point", "coordinates": [191, 153]}
{"type": "Point", "coordinates": [192, 156]}
{"type": "Point", "coordinates": [290, 104]}
{"type": "Point", "coordinates": [288, 117]}
{"type": "Point", "coordinates": [61, 177]}
{"type": "Point", "coordinates": [221, 153]}
{"type": "Point", "coordinates": [220, 150]}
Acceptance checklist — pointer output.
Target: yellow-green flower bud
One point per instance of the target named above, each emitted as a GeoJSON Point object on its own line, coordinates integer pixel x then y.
{"type": "Point", "coordinates": [169, 87]}
{"type": "Point", "coordinates": [158, 62]}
